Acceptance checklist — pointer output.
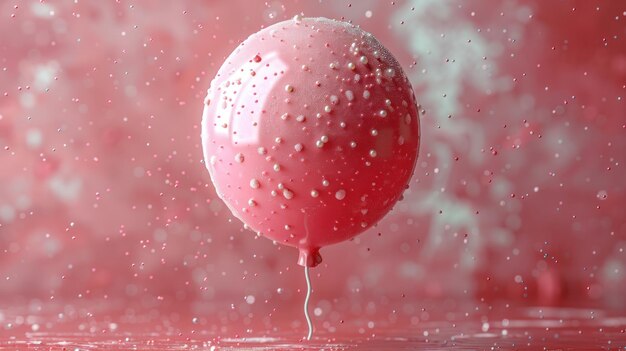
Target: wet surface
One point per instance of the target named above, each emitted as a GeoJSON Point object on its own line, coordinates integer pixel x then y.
{"type": "Point", "coordinates": [529, 328]}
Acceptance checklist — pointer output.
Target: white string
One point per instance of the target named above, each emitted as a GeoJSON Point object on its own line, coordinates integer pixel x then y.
{"type": "Point", "coordinates": [306, 302]}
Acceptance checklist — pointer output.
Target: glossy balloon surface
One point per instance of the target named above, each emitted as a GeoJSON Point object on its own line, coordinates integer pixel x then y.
{"type": "Point", "coordinates": [310, 133]}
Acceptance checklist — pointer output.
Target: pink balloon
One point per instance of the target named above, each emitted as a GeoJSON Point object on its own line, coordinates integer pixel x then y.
{"type": "Point", "coordinates": [310, 133]}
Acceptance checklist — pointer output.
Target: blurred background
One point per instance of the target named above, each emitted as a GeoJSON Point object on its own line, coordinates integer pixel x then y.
{"type": "Point", "coordinates": [518, 194]}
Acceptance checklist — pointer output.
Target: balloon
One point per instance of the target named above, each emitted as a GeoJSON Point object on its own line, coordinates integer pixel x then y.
{"type": "Point", "coordinates": [310, 133]}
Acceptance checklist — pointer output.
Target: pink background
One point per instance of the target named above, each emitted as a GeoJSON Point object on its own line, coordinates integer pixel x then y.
{"type": "Point", "coordinates": [518, 192]}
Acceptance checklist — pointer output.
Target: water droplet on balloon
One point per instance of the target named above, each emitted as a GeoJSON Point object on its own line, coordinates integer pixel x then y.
{"type": "Point", "coordinates": [340, 195]}
{"type": "Point", "coordinates": [287, 194]}
{"type": "Point", "coordinates": [349, 95]}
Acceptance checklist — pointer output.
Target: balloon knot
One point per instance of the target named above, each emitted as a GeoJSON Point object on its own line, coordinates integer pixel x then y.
{"type": "Point", "coordinates": [309, 257]}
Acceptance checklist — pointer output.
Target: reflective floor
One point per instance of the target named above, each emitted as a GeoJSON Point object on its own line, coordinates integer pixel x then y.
{"type": "Point", "coordinates": [527, 328]}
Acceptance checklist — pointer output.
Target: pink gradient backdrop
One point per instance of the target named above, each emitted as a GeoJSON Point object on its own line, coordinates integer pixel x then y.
{"type": "Point", "coordinates": [518, 193]}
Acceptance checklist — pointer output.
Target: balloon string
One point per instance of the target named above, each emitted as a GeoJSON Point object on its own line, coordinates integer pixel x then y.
{"type": "Point", "coordinates": [306, 302]}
